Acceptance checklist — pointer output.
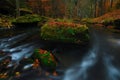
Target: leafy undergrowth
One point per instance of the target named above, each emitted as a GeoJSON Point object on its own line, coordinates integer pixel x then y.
{"type": "Point", "coordinates": [110, 21]}
{"type": "Point", "coordinates": [114, 15]}
{"type": "Point", "coordinates": [63, 31]}
{"type": "Point", "coordinates": [5, 21]}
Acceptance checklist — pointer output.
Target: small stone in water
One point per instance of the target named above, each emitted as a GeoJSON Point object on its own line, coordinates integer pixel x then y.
{"type": "Point", "coordinates": [17, 74]}
{"type": "Point", "coordinates": [54, 73]}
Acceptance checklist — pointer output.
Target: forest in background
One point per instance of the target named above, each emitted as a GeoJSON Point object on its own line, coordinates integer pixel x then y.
{"type": "Point", "coordinates": [61, 8]}
{"type": "Point", "coordinates": [74, 10]}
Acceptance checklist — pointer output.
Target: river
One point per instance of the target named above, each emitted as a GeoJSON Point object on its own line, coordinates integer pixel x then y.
{"type": "Point", "coordinates": [97, 61]}
{"type": "Point", "coordinates": [20, 43]}
{"type": "Point", "coordinates": [101, 62]}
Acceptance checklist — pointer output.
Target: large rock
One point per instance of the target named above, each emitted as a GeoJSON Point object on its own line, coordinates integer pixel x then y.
{"type": "Point", "coordinates": [65, 32]}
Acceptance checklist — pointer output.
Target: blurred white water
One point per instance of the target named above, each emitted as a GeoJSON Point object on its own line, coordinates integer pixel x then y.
{"type": "Point", "coordinates": [7, 42]}
{"type": "Point", "coordinates": [79, 72]}
{"type": "Point", "coordinates": [103, 53]}
{"type": "Point", "coordinates": [18, 52]}
{"type": "Point", "coordinates": [113, 72]}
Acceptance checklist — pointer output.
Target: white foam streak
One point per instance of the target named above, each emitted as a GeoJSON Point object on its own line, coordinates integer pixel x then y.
{"type": "Point", "coordinates": [19, 55]}
{"type": "Point", "coordinates": [11, 41]}
{"type": "Point", "coordinates": [80, 71]}
{"type": "Point", "coordinates": [27, 66]}
{"type": "Point", "coordinates": [113, 73]}
{"type": "Point", "coordinates": [114, 41]}
{"type": "Point", "coordinates": [19, 48]}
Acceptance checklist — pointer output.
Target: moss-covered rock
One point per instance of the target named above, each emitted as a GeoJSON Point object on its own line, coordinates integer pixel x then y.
{"type": "Point", "coordinates": [46, 59]}
{"type": "Point", "coordinates": [28, 20]}
{"type": "Point", "coordinates": [65, 32]}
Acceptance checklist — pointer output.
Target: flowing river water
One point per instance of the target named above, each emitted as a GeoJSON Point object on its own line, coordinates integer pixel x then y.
{"type": "Point", "coordinates": [101, 62]}
{"type": "Point", "coordinates": [20, 43]}
{"type": "Point", "coordinates": [97, 61]}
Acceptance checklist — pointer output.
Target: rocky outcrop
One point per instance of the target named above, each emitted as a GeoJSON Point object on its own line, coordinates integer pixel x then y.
{"type": "Point", "coordinates": [65, 32]}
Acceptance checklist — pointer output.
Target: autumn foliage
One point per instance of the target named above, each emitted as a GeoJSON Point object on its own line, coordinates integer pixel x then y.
{"type": "Point", "coordinates": [63, 24]}
{"type": "Point", "coordinates": [54, 8]}
{"type": "Point", "coordinates": [108, 16]}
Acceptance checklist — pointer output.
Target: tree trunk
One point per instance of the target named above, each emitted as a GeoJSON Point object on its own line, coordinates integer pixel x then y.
{"type": "Point", "coordinates": [17, 8]}
{"type": "Point", "coordinates": [95, 8]}
{"type": "Point", "coordinates": [111, 3]}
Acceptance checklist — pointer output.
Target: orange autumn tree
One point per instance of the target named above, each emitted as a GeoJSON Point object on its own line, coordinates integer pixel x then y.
{"type": "Point", "coordinates": [72, 8]}
{"type": "Point", "coordinates": [58, 8]}
{"type": "Point", "coordinates": [35, 5]}
{"type": "Point", "coordinates": [51, 8]}
{"type": "Point", "coordinates": [104, 6]}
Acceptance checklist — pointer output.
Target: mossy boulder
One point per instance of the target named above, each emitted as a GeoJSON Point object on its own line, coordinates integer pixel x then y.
{"type": "Point", "coordinates": [65, 32]}
{"type": "Point", "coordinates": [28, 20]}
{"type": "Point", "coordinates": [46, 59]}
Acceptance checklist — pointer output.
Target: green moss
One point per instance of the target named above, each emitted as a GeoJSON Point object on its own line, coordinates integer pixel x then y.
{"type": "Point", "coordinates": [63, 20]}
{"type": "Point", "coordinates": [65, 32]}
{"type": "Point", "coordinates": [46, 58]}
{"type": "Point", "coordinates": [108, 20]}
{"type": "Point", "coordinates": [27, 19]}
{"type": "Point", "coordinates": [87, 20]}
